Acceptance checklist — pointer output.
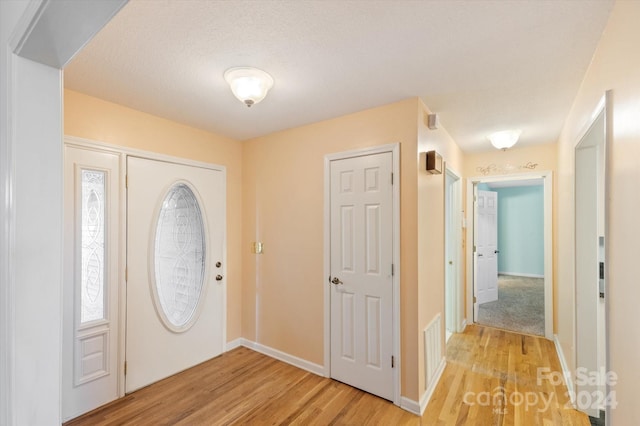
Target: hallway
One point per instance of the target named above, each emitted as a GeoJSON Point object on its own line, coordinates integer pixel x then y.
{"type": "Point", "coordinates": [496, 377]}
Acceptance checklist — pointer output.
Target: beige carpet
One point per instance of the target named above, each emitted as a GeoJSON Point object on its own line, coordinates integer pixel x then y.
{"type": "Point", "coordinates": [520, 306]}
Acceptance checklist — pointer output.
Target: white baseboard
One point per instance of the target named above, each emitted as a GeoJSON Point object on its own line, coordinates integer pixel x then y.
{"type": "Point", "coordinates": [279, 355]}
{"type": "Point", "coordinates": [426, 397]}
{"type": "Point", "coordinates": [229, 346]}
{"type": "Point", "coordinates": [416, 407]}
{"type": "Point", "coordinates": [410, 405]}
{"type": "Point", "coordinates": [405, 403]}
{"type": "Point", "coordinates": [565, 369]}
{"type": "Point", "coordinates": [521, 274]}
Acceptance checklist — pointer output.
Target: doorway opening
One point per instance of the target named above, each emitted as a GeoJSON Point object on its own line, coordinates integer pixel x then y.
{"type": "Point", "coordinates": [510, 246]}
{"type": "Point", "coordinates": [509, 257]}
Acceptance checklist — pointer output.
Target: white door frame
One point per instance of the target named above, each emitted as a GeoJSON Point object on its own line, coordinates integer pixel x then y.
{"type": "Point", "coordinates": [125, 152]}
{"type": "Point", "coordinates": [31, 134]}
{"type": "Point", "coordinates": [547, 177]}
{"type": "Point", "coordinates": [604, 106]}
{"type": "Point", "coordinates": [395, 150]}
{"type": "Point", "coordinates": [122, 260]}
{"type": "Point", "coordinates": [455, 217]}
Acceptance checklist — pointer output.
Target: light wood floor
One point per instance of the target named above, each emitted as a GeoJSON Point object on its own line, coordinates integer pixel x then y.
{"type": "Point", "coordinates": [245, 387]}
{"type": "Point", "coordinates": [491, 378]}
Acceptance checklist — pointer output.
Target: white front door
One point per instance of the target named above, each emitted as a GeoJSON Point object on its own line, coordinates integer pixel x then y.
{"type": "Point", "coordinates": [361, 273]}
{"type": "Point", "coordinates": [175, 262]}
{"type": "Point", "coordinates": [91, 275]}
{"type": "Point", "coordinates": [487, 247]}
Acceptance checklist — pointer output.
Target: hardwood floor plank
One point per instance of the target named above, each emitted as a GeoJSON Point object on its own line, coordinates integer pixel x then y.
{"type": "Point", "coordinates": [486, 369]}
{"type": "Point", "coordinates": [499, 383]}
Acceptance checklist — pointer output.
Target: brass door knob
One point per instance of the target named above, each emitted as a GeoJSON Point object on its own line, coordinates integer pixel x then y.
{"type": "Point", "coordinates": [336, 281]}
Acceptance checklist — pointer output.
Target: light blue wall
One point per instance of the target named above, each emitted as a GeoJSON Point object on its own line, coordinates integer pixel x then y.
{"type": "Point", "coordinates": [521, 230]}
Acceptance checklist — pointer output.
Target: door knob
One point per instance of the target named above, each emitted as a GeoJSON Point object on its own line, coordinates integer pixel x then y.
{"type": "Point", "coordinates": [336, 281]}
{"type": "Point", "coordinates": [218, 277]}
{"type": "Point", "coordinates": [496, 251]}
{"type": "Point", "coordinates": [479, 254]}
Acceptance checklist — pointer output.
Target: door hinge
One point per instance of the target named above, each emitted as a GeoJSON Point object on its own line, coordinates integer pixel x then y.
{"type": "Point", "coordinates": [393, 361]}
{"type": "Point", "coordinates": [475, 300]}
{"type": "Point", "coordinates": [126, 273]}
{"type": "Point", "coordinates": [125, 368]}
{"type": "Point", "coordinates": [474, 248]}
{"type": "Point", "coordinates": [393, 270]}
{"type": "Point", "coordinates": [126, 181]}
{"type": "Point", "coordinates": [391, 178]}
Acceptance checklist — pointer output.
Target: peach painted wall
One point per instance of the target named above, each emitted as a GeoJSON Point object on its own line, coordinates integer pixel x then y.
{"type": "Point", "coordinates": [545, 157]}
{"type": "Point", "coordinates": [615, 66]}
{"type": "Point", "coordinates": [431, 230]}
{"type": "Point", "coordinates": [91, 118]}
{"type": "Point", "coordinates": [283, 199]}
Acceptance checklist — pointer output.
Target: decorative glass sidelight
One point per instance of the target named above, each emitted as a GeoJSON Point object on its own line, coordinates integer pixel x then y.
{"type": "Point", "coordinates": [92, 232]}
{"type": "Point", "coordinates": [179, 257]}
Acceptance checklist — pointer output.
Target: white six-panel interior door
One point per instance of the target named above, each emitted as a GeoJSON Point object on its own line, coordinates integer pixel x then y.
{"type": "Point", "coordinates": [171, 281]}
{"type": "Point", "coordinates": [361, 234]}
{"type": "Point", "coordinates": [486, 248]}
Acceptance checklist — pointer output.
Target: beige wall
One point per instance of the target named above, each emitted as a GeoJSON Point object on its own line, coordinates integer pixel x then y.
{"type": "Point", "coordinates": [98, 120]}
{"type": "Point", "coordinates": [283, 201]}
{"type": "Point", "coordinates": [513, 161]}
{"type": "Point", "coordinates": [615, 66]}
{"type": "Point", "coordinates": [277, 182]}
{"type": "Point", "coordinates": [430, 230]}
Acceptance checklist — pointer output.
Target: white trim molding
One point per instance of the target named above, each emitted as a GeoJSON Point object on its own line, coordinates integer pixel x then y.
{"type": "Point", "coordinates": [410, 405]}
{"type": "Point", "coordinates": [236, 343]}
{"type": "Point", "coordinates": [566, 373]}
{"type": "Point", "coordinates": [520, 274]}
{"type": "Point", "coordinates": [276, 354]}
{"type": "Point", "coordinates": [394, 148]}
{"type": "Point", "coordinates": [426, 396]}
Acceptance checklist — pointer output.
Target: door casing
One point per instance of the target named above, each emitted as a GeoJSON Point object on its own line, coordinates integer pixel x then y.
{"type": "Point", "coordinates": [547, 177]}
{"type": "Point", "coordinates": [604, 108]}
{"type": "Point", "coordinates": [453, 244]}
{"type": "Point", "coordinates": [395, 150]}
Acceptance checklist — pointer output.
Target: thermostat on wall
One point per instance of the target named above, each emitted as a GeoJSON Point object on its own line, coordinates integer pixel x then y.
{"type": "Point", "coordinates": [434, 163]}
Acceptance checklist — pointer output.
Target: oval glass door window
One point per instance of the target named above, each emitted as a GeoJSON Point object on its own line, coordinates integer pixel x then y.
{"type": "Point", "coordinates": [179, 258]}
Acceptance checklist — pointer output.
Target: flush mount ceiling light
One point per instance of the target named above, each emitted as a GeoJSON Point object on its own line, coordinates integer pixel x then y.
{"type": "Point", "coordinates": [505, 139]}
{"type": "Point", "coordinates": [250, 85]}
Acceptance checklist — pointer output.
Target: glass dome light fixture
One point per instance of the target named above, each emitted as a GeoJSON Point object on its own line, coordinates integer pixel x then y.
{"type": "Point", "coordinates": [504, 139]}
{"type": "Point", "coordinates": [249, 85]}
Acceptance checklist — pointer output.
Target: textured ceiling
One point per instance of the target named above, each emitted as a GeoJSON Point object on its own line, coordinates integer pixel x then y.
{"type": "Point", "coordinates": [482, 66]}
